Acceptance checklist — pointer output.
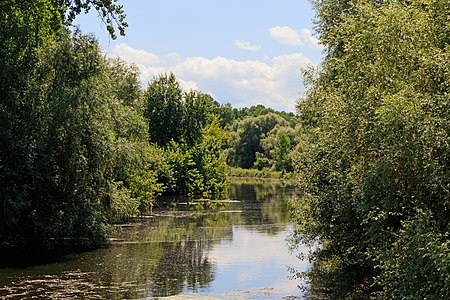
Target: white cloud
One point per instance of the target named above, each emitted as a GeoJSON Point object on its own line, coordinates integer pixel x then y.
{"type": "Point", "coordinates": [285, 35]}
{"type": "Point", "coordinates": [175, 57]}
{"type": "Point", "coordinates": [274, 82]}
{"type": "Point", "coordinates": [137, 56]}
{"type": "Point", "coordinates": [246, 46]}
{"type": "Point", "coordinates": [289, 36]}
{"type": "Point", "coordinates": [309, 40]}
{"type": "Point", "coordinates": [188, 85]}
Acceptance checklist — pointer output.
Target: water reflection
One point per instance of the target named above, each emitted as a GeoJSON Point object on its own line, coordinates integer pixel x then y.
{"type": "Point", "coordinates": [215, 251]}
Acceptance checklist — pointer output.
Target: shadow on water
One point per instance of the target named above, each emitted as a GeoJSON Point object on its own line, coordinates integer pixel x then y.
{"type": "Point", "coordinates": [23, 258]}
{"type": "Point", "coordinates": [204, 249]}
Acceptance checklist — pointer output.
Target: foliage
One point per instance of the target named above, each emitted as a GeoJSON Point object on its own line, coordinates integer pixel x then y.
{"type": "Point", "coordinates": [282, 149]}
{"type": "Point", "coordinates": [226, 113]}
{"type": "Point", "coordinates": [144, 187]}
{"type": "Point", "coordinates": [255, 135]}
{"type": "Point", "coordinates": [163, 110]}
{"type": "Point", "coordinates": [185, 125]}
{"type": "Point", "coordinates": [374, 150]}
{"type": "Point", "coordinates": [277, 146]}
{"type": "Point", "coordinates": [186, 177]}
{"type": "Point", "coordinates": [197, 114]}
{"type": "Point", "coordinates": [71, 145]}
{"type": "Point", "coordinates": [261, 162]}
{"type": "Point", "coordinates": [74, 143]}
{"type": "Point", "coordinates": [418, 264]}
{"type": "Point", "coordinates": [110, 13]}
{"type": "Point", "coordinates": [48, 17]}
{"type": "Point", "coordinates": [246, 141]}
{"type": "Point", "coordinates": [210, 157]}
{"type": "Point", "coordinates": [175, 115]}
{"type": "Point", "coordinates": [199, 169]}
{"type": "Point", "coordinates": [62, 170]}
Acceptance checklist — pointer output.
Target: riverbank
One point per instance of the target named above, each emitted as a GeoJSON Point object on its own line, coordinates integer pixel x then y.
{"type": "Point", "coordinates": [255, 173]}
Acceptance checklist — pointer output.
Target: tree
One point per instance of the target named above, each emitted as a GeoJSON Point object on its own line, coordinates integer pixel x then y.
{"type": "Point", "coordinates": [198, 111]}
{"type": "Point", "coordinates": [283, 147]}
{"type": "Point", "coordinates": [210, 159]}
{"type": "Point", "coordinates": [110, 13]}
{"type": "Point", "coordinates": [58, 14]}
{"type": "Point", "coordinates": [71, 147]}
{"type": "Point", "coordinates": [374, 150]}
{"type": "Point", "coordinates": [175, 115]}
{"type": "Point", "coordinates": [277, 146]}
{"type": "Point", "coordinates": [184, 124]}
{"type": "Point", "coordinates": [226, 113]}
{"type": "Point", "coordinates": [164, 110]}
{"type": "Point", "coordinates": [55, 173]}
{"type": "Point", "coordinates": [247, 141]}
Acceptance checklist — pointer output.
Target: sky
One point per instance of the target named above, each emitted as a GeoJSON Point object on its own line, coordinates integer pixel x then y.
{"type": "Point", "coordinates": [245, 52]}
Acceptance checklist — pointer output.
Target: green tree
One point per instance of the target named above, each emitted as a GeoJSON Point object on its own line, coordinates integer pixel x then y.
{"type": "Point", "coordinates": [210, 158]}
{"type": "Point", "coordinates": [111, 13]}
{"type": "Point", "coordinates": [273, 151]}
{"type": "Point", "coordinates": [184, 124]}
{"type": "Point", "coordinates": [139, 169]}
{"type": "Point", "coordinates": [66, 164]}
{"type": "Point", "coordinates": [283, 147]}
{"type": "Point", "coordinates": [76, 145]}
{"type": "Point", "coordinates": [374, 151]}
{"type": "Point", "coordinates": [73, 141]}
{"type": "Point", "coordinates": [226, 113]}
{"type": "Point", "coordinates": [198, 111]}
{"type": "Point", "coordinates": [247, 140]}
{"type": "Point", "coordinates": [164, 110]}
{"type": "Point", "coordinates": [176, 115]}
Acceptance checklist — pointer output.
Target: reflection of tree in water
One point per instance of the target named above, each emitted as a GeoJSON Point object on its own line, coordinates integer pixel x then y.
{"type": "Point", "coordinates": [263, 202]}
{"type": "Point", "coordinates": [182, 244]}
{"type": "Point", "coordinates": [184, 264]}
{"type": "Point", "coordinates": [160, 256]}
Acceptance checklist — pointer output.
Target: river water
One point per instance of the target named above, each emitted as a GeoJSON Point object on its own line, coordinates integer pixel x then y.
{"type": "Point", "coordinates": [200, 250]}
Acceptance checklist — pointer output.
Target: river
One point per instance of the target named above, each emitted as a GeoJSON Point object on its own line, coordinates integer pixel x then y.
{"type": "Point", "coordinates": [199, 250]}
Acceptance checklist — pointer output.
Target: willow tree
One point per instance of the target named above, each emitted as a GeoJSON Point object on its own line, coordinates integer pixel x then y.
{"type": "Point", "coordinates": [374, 152]}
{"type": "Point", "coordinates": [59, 128]}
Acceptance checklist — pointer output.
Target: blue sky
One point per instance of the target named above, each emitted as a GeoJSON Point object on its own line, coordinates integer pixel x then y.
{"type": "Point", "coordinates": [244, 52]}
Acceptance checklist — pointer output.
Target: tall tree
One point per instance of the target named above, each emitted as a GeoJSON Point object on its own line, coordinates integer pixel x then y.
{"type": "Point", "coordinates": [176, 115]}
{"type": "Point", "coordinates": [374, 152]}
{"type": "Point", "coordinates": [198, 111]}
{"type": "Point", "coordinates": [164, 109]}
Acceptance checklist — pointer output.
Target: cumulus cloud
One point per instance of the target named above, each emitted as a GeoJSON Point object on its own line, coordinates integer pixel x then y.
{"type": "Point", "coordinates": [309, 40]}
{"type": "Point", "coordinates": [246, 46]}
{"type": "Point", "coordinates": [289, 36]}
{"type": "Point", "coordinates": [285, 35]}
{"type": "Point", "coordinates": [274, 82]}
{"type": "Point", "coordinates": [137, 56]}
